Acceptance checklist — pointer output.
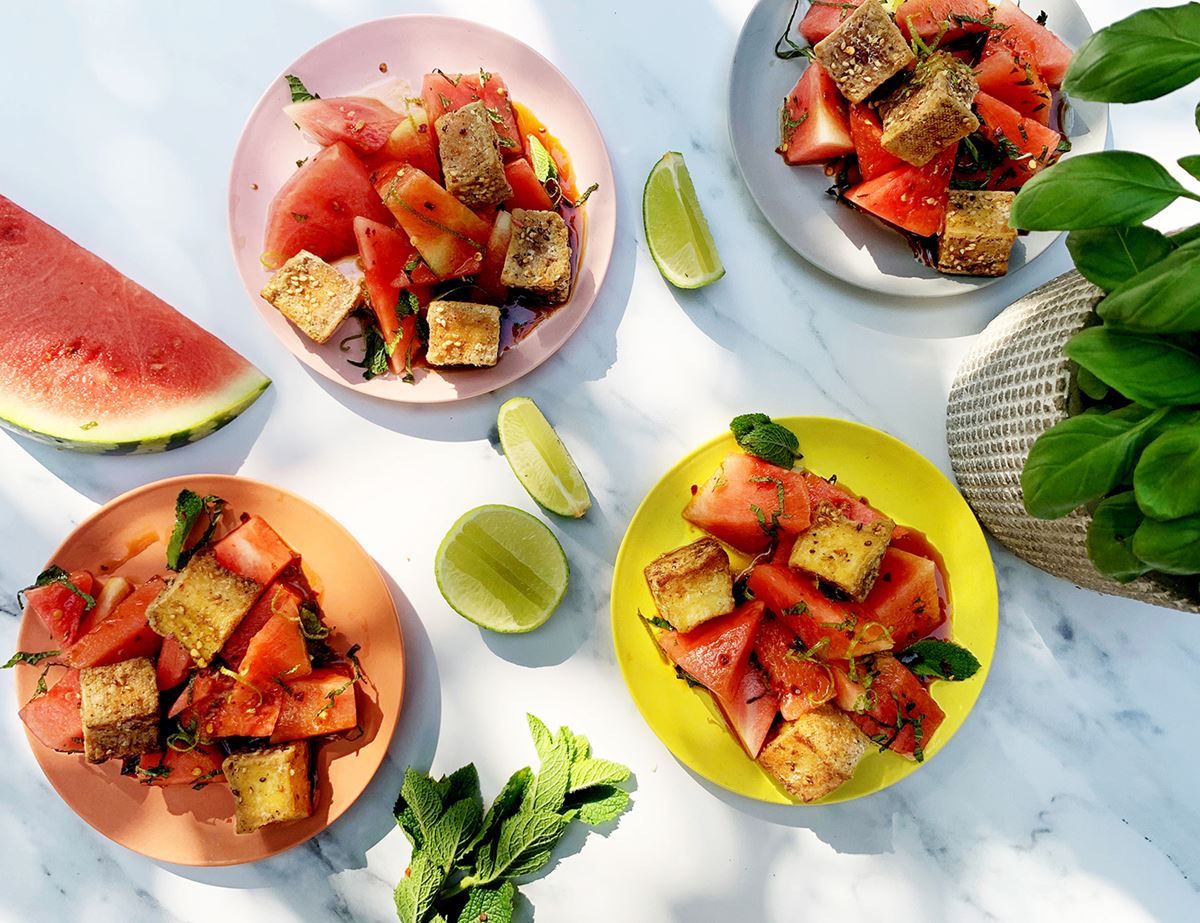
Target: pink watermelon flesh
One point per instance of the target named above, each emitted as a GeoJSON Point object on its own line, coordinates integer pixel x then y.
{"type": "Point", "coordinates": [363, 123]}
{"type": "Point", "coordinates": [717, 652]}
{"type": "Point", "coordinates": [315, 209]}
{"type": "Point", "coordinates": [90, 360]}
{"type": "Point", "coordinates": [751, 711]}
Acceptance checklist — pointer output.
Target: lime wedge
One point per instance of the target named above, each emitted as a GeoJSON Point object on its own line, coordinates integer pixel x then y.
{"type": "Point", "coordinates": [676, 232]}
{"type": "Point", "coordinates": [539, 459]}
{"type": "Point", "coordinates": [502, 569]}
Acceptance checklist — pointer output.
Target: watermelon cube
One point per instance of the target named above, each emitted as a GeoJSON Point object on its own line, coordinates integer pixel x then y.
{"type": "Point", "coordinates": [492, 267]}
{"type": "Point", "coordinates": [751, 711]}
{"type": "Point", "coordinates": [174, 664]}
{"type": "Point", "coordinates": [905, 598]}
{"type": "Point", "coordinates": [850, 505]}
{"type": "Point", "coordinates": [948, 20]}
{"type": "Point", "coordinates": [1010, 78]}
{"type": "Point", "coordinates": [412, 142]}
{"type": "Point", "coordinates": [1029, 145]}
{"type": "Point", "coordinates": [60, 609]}
{"type": "Point", "coordinates": [718, 652]}
{"type": "Point", "coordinates": [866, 131]}
{"type": "Point", "coordinates": [278, 650]}
{"type": "Point", "coordinates": [361, 122]}
{"type": "Point", "coordinates": [279, 598]}
{"type": "Point", "coordinates": [835, 629]}
{"type": "Point", "coordinates": [913, 199]}
{"type": "Point", "coordinates": [315, 209]}
{"type": "Point", "coordinates": [528, 192]}
{"type": "Point", "coordinates": [748, 502]}
{"type": "Point", "coordinates": [386, 255]}
{"type": "Point", "coordinates": [123, 635]}
{"type": "Point", "coordinates": [449, 236]}
{"type": "Point", "coordinates": [255, 551]}
{"type": "Point", "coordinates": [199, 766]}
{"type": "Point", "coordinates": [321, 703]}
{"type": "Point", "coordinates": [814, 125]}
{"type": "Point", "coordinates": [442, 93]}
{"type": "Point", "coordinates": [824, 16]}
{"type": "Point", "coordinates": [1033, 41]}
{"type": "Point", "coordinates": [54, 718]}
{"type": "Point", "coordinates": [801, 684]}
{"type": "Point", "coordinates": [900, 714]}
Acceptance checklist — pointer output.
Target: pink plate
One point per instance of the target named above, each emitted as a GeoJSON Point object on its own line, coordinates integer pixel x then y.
{"type": "Point", "coordinates": [411, 46]}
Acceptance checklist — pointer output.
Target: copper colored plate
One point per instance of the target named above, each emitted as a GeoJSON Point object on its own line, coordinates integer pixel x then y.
{"type": "Point", "coordinates": [175, 823]}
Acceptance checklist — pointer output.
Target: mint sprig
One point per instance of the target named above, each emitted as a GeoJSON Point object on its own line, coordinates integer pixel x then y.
{"type": "Point", "coordinates": [759, 435]}
{"type": "Point", "coordinates": [299, 91]}
{"type": "Point", "coordinates": [464, 860]}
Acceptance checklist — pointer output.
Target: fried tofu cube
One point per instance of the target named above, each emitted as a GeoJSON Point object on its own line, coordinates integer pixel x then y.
{"type": "Point", "coordinates": [312, 295]}
{"type": "Point", "coordinates": [119, 708]}
{"type": "Point", "coordinates": [864, 52]}
{"type": "Point", "coordinates": [463, 333]}
{"type": "Point", "coordinates": [539, 255]}
{"type": "Point", "coordinates": [979, 238]}
{"type": "Point", "coordinates": [471, 161]}
{"type": "Point", "coordinates": [811, 756]}
{"type": "Point", "coordinates": [202, 606]}
{"type": "Point", "coordinates": [931, 111]}
{"type": "Point", "coordinates": [841, 551]}
{"type": "Point", "coordinates": [269, 786]}
{"type": "Point", "coordinates": [692, 584]}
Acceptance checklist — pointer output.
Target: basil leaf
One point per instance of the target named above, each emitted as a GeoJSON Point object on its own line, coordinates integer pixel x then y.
{"type": "Point", "coordinates": [1167, 477]}
{"type": "Point", "coordinates": [1110, 536]}
{"type": "Point", "coordinates": [1191, 164]}
{"type": "Point", "coordinates": [1090, 385]}
{"type": "Point", "coordinates": [1148, 370]}
{"type": "Point", "coordinates": [1161, 298]}
{"type": "Point", "coordinates": [1096, 190]}
{"type": "Point", "coordinates": [939, 659]}
{"type": "Point", "coordinates": [1080, 460]}
{"type": "Point", "coordinates": [1171, 547]}
{"type": "Point", "coordinates": [1186, 236]}
{"type": "Point", "coordinates": [1143, 56]}
{"type": "Point", "coordinates": [1108, 257]}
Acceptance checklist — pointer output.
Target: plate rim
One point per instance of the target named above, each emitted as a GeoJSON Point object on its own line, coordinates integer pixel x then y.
{"type": "Point", "coordinates": [387, 728]}
{"type": "Point", "coordinates": [606, 242]}
{"type": "Point", "coordinates": [992, 585]}
{"type": "Point", "coordinates": [967, 286]}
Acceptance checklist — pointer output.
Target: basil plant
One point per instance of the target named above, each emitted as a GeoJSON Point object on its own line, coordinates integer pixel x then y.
{"type": "Point", "coordinates": [1130, 453]}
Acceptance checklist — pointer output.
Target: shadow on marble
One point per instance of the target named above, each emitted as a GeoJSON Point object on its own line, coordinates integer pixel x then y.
{"type": "Point", "coordinates": [345, 843]}
{"type": "Point", "coordinates": [102, 477]}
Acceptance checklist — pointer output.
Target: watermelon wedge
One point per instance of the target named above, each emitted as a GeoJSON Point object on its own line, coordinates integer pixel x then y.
{"type": "Point", "coordinates": [91, 361]}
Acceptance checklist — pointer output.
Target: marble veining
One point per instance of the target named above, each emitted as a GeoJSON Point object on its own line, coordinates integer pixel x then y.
{"type": "Point", "coordinates": [1068, 795]}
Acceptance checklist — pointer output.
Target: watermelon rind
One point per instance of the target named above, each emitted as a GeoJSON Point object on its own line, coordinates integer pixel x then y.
{"type": "Point", "coordinates": [169, 426]}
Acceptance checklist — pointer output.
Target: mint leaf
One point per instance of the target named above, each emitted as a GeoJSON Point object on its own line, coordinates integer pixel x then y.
{"type": "Point", "coordinates": [298, 90]}
{"type": "Point", "coordinates": [939, 659]}
{"type": "Point", "coordinates": [417, 890]}
{"type": "Point", "coordinates": [550, 784]}
{"type": "Point", "coordinates": [418, 807]}
{"type": "Point", "coordinates": [452, 831]}
{"type": "Point", "coordinates": [580, 746]}
{"type": "Point", "coordinates": [600, 804]}
{"type": "Point", "coordinates": [460, 784]}
{"type": "Point", "coordinates": [544, 167]}
{"type": "Point", "coordinates": [743, 424]}
{"type": "Point", "coordinates": [758, 435]}
{"type": "Point", "coordinates": [33, 659]}
{"type": "Point", "coordinates": [523, 846]}
{"type": "Point", "coordinates": [55, 574]}
{"type": "Point", "coordinates": [189, 507]}
{"type": "Point", "coordinates": [505, 805]}
{"type": "Point", "coordinates": [495, 905]}
{"type": "Point", "coordinates": [588, 772]}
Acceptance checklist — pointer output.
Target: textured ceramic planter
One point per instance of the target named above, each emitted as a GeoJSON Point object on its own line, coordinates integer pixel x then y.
{"type": "Point", "coordinates": [1013, 386]}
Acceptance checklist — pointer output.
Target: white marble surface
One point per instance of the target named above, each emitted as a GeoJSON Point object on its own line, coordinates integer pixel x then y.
{"type": "Point", "coordinates": [1068, 795]}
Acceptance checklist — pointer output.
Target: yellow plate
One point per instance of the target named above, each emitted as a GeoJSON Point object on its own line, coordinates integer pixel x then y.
{"type": "Point", "coordinates": [895, 479]}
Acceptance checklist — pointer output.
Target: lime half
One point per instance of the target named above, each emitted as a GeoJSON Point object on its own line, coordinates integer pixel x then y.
{"type": "Point", "coordinates": [676, 232]}
{"type": "Point", "coordinates": [539, 459]}
{"type": "Point", "coordinates": [502, 569]}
